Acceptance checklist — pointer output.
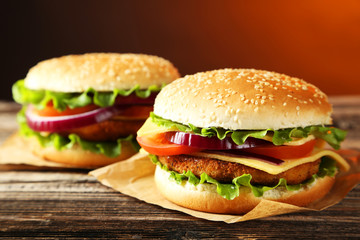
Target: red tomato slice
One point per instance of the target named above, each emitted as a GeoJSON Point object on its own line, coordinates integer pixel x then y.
{"type": "Point", "coordinates": [284, 152]}
{"type": "Point", "coordinates": [159, 145]}
{"type": "Point", "coordinates": [50, 111]}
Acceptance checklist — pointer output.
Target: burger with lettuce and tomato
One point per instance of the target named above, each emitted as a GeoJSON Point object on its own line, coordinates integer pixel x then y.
{"type": "Point", "coordinates": [84, 110]}
{"type": "Point", "coordinates": [224, 140]}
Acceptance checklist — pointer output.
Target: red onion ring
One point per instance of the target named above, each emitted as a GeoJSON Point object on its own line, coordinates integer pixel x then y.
{"type": "Point", "coordinates": [61, 123]}
{"type": "Point", "coordinates": [212, 143]}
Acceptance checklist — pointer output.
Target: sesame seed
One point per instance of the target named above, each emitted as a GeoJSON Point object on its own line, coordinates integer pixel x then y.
{"type": "Point", "coordinates": [297, 108]}
{"type": "Point", "coordinates": [227, 112]}
{"type": "Point", "coordinates": [256, 109]}
{"type": "Point", "coordinates": [284, 104]}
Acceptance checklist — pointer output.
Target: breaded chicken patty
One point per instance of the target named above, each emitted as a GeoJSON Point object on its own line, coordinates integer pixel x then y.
{"type": "Point", "coordinates": [224, 171]}
{"type": "Point", "coordinates": [128, 122]}
{"type": "Point", "coordinates": [109, 130]}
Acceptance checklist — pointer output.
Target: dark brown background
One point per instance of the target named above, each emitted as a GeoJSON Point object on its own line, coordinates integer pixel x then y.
{"type": "Point", "coordinates": [315, 40]}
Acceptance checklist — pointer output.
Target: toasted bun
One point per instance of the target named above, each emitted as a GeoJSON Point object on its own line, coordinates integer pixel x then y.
{"type": "Point", "coordinates": [78, 157]}
{"type": "Point", "coordinates": [100, 71]}
{"type": "Point", "coordinates": [243, 99]}
{"type": "Point", "coordinates": [204, 197]}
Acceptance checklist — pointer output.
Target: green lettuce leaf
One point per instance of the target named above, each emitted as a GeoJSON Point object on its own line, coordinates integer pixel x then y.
{"type": "Point", "coordinates": [39, 98]}
{"type": "Point", "coordinates": [333, 136]}
{"type": "Point", "coordinates": [231, 190]}
{"type": "Point", "coordinates": [109, 149]}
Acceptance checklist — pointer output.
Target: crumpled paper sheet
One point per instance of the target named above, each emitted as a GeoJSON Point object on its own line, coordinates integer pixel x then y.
{"type": "Point", "coordinates": [134, 177]}
{"type": "Point", "coordinates": [15, 154]}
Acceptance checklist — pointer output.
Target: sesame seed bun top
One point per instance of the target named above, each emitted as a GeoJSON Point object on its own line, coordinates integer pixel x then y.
{"type": "Point", "coordinates": [100, 71]}
{"type": "Point", "coordinates": [243, 99]}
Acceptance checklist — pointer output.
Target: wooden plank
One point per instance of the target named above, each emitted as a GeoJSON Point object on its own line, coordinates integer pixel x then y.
{"type": "Point", "coordinates": [345, 100]}
{"type": "Point", "coordinates": [9, 106]}
{"type": "Point", "coordinates": [52, 214]}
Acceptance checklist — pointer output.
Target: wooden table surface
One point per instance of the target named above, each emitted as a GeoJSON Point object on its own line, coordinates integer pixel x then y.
{"type": "Point", "coordinates": [71, 204]}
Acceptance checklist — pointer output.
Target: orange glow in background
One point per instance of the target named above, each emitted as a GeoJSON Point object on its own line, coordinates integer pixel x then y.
{"type": "Point", "coordinates": [318, 41]}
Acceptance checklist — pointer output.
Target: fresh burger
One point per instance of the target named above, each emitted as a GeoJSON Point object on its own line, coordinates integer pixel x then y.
{"type": "Point", "coordinates": [84, 110]}
{"type": "Point", "coordinates": [223, 140]}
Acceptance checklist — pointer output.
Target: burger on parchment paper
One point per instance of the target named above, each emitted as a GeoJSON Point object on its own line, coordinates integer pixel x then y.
{"type": "Point", "coordinates": [223, 140]}
{"type": "Point", "coordinates": [84, 110]}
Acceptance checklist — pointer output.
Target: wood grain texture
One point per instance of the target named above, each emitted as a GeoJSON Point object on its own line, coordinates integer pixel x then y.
{"type": "Point", "coordinates": [68, 204]}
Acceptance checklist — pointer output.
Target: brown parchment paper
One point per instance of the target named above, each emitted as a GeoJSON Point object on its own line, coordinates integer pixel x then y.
{"type": "Point", "coordinates": [134, 177]}
{"type": "Point", "coordinates": [15, 154]}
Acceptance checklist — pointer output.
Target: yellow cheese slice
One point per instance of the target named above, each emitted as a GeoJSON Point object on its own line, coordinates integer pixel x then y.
{"type": "Point", "coordinates": [276, 169]}
{"type": "Point", "coordinates": [149, 127]}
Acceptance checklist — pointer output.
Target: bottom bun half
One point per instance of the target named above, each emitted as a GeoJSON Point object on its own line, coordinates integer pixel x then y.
{"type": "Point", "coordinates": [78, 157]}
{"type": "Point", "coordinates": [204, 197]}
